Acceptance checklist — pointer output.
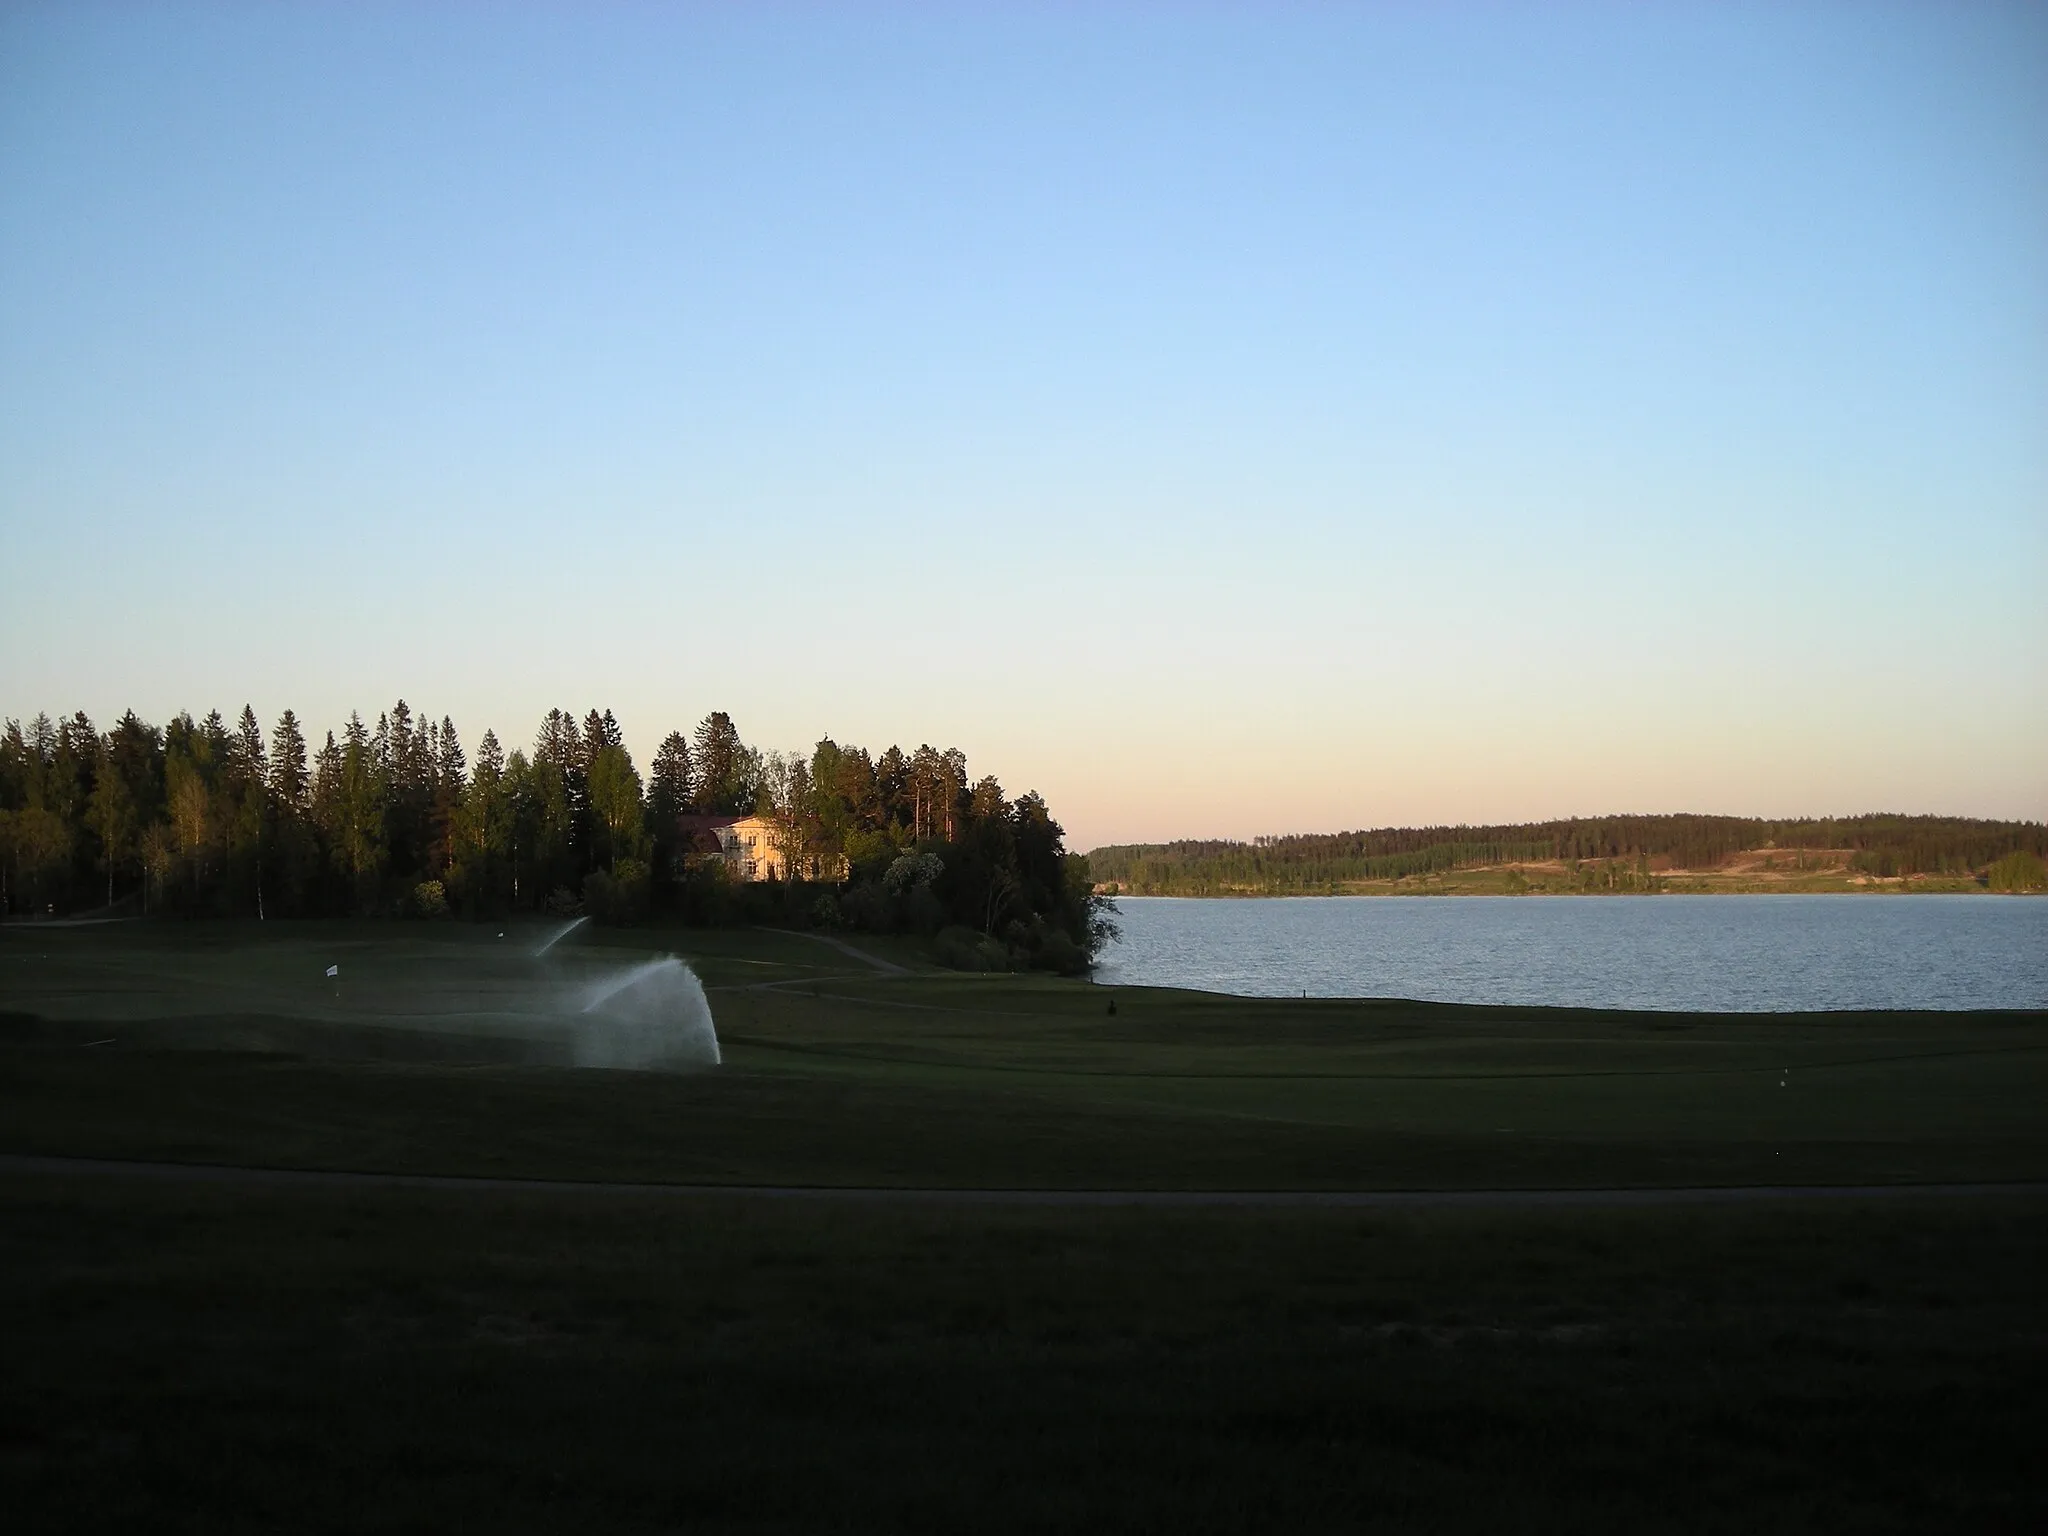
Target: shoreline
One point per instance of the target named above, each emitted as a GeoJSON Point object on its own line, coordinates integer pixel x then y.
{"type": "Point", "coordinates": [1874, 889]}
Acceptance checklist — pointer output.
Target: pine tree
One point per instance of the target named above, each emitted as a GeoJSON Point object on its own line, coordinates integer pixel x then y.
{"type": "Point", "coordinates": [326, 791]}
{"type": "Point", "coordinates": [668, 797]}
{"type": "Point", "coordinates": [408, 761]}
{"type": "Point", "coordinates": [484, 820]}
{"type": "Point", "coordinates": [139, 758]}
{"type": "Point", "coordinates": [450, 768]}
{"type": "Point", "coordinates": [246, 813]}
{"type": "Point", "coordinates": [600, 731]}
{"type": "Point", "coordinates": [359, 845]}
{"type": "Point", "coordinates": [668, 791]}
{"type": "Point", "coordinates": [42, 752]}
{"type": "Point", "coordinates": [288, 784]}
{"type": "Point", "coordinates": [721, 761]}
{"type": "Point", "coordinates": [892, 787]}
{"type": "Point", "coordinates": [293, 856]}
{"type": "Point", "coordinates": [251, 759]}
{"type": "Point", "coordinates": [555, 786]}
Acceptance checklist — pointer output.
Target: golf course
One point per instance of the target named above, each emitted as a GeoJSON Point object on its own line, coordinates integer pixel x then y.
{"type": "Point", "coordinates": [324, 1226]}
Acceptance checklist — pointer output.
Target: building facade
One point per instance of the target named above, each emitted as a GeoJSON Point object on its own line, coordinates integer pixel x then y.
{"type": "Point", "coordinates": [748, 844]}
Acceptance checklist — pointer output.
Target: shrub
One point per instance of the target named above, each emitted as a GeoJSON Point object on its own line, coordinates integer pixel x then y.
{"type": "Point", "coordinates": [913, 871]}
{"type": "Point", "coordinates": [2018, 871]}
{"type": "Point", "coordinates": [635, 881]}
{"type": "Point", "coordinates": [866, 908]}
{"type": "Point", "coordinates": [621, 895]}
{"type": "Point", "coordinates": [926, 912]}
{"type": "Point", "coordinates": [868, 854]}
{"type": "Point", "coordinates": [430, 899]}
{"type": "Point", "coordinates": [962, 949]}
{"type": "Point", "coordinates": [1057, 952]}
{"type": "Point", "coordinates": [708, 892]}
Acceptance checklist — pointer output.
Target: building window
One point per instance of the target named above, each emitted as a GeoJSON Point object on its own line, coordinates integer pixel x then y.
{"type": "Point", "coordinates": [750, 869]}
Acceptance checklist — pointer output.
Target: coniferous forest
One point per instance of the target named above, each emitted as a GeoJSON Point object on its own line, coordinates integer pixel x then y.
{"type": "Point", "coordinates": [207, 818]}
{"type": "Point", "coordinates": [2006, 854]}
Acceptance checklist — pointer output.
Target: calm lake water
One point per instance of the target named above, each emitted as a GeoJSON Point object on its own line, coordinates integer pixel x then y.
{"type": "Point", "coordinates": [1747, 953]}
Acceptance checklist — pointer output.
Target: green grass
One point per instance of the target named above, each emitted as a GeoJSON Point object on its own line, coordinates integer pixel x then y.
{"type": "Point", "coordinates": [228, 1045]}
{"type": "Point", "coordinates": [208, 1359]}
{"type": "Point", "coordinates": [220, 1358]}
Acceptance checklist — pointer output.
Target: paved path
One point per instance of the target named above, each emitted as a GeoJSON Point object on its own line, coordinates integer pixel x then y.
{"type": "Point", "coordinates": [215, 1173]}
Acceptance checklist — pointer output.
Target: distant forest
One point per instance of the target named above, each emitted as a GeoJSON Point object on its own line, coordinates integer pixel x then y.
{"type": "Point", "coordinates": [1883, 845]}
{"type": "Point", "coordinates": [207, 818]}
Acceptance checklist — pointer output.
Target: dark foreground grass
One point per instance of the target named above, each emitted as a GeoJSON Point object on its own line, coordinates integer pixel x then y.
{"type": "Point", "coordinates": [754, 1126]}
{"type": "Point", "coordinates": [210, 1359]}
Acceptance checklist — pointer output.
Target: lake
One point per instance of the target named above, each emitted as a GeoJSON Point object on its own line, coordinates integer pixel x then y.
{"type": "Point", "coordinates": [1738, 953]}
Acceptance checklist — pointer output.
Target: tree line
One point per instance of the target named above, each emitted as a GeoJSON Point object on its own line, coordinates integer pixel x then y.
{"type": "Point", "coordinates": [1883, 844]}
{"type": "Point", "coordinates": [207, 818]}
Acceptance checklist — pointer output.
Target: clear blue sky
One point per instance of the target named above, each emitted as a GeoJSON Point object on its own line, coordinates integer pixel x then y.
{"type": "Point", "coordinates": [1225, 419]}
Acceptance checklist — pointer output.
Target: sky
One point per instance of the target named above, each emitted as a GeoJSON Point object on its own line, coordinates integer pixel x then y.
{"type": "Point", "coordinates": [1223, 419]}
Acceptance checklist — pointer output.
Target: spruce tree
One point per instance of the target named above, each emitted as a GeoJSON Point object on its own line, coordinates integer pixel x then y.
{"type": "Point", "coordinates": [668, 790]}
{"type": "Point", "coordinates": [288, 783]}
{"type": "Point", "coordinates": [449, 770]}
{"type": "Point", "coordinates": [251, 759]}
{"type": "Point", "coordinates": [364, 778]}
{"type": "Point", "coordinates": [720, 760]}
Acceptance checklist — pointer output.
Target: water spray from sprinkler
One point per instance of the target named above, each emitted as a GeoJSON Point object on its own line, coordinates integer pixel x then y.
{"type": "Point", "coordinates": [559, 934]}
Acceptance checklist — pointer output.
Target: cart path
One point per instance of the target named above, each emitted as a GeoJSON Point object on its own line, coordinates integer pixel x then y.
{"type": "Point", "coordinates": [217, 1173]}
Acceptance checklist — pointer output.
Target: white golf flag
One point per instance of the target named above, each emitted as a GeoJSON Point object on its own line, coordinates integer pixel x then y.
{"type": "Point", "coordinates": [334, 970]}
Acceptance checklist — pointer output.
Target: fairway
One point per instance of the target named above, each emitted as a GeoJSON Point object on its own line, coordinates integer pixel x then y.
{"type": "Point", "coordinates": [261, 1352]}
{"type": "Point", "coordinates": [440, 1050]}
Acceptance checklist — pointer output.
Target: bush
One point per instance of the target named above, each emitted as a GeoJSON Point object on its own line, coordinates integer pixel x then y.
{"type": "Point", "coordinates": [825, 912]}
{"type": "Point", "coordinates": [962, 949]}
{"type": "Point", "coordinates": [1057, 952]}
{"type": "Point", "coordinates": [620, 896]}
{"type": "Point", "coordinates": [430, 899]}
{"type": "Point", "coordinates": [709, 892]}
{"type": "Point", "coordinates": [869, 854]}
{"type": "Point", "coordinates": [2018, 871]}
{"type": "Point", "coordinates": [635, 882]}
{"type": "Point", "coordinates": [563, 902]}
{"type": "Point", "coordinates": [866, 908]}
{"type": "Point", "coordinates": [926, 912]}
{"type": "Point", "coordinates": [913, 871]}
